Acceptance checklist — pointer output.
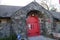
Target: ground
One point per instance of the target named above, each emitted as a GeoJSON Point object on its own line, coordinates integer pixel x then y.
{"type": "Point", "coordinates": [41, 37]}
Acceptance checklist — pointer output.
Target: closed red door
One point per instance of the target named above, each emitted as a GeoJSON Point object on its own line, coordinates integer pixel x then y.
{"type": "Point", "coordinates": [32, 26]}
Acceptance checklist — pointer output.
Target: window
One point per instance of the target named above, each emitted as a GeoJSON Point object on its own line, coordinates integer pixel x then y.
{"type": "Point", "coordinates": [4, 20]}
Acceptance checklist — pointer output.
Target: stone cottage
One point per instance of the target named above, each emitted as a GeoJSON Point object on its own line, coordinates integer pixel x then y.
{"type": "Point", "coordinates": [13, 19]}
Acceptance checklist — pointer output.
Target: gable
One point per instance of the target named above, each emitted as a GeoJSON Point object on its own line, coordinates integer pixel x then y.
{"type": "Point", "coordinates": [32, 6]}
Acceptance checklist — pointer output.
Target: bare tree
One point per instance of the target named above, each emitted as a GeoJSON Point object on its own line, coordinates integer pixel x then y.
{"type": "Point", "coordinates": [53, 9]}
{"type": "Point", "coordinates": [44, 4]}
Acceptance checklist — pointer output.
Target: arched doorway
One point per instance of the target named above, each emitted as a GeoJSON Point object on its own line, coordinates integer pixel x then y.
{"type": "Point", "coordinates": [34, 23]}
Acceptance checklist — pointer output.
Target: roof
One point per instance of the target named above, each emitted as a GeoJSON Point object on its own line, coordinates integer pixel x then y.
{"type": "Point", "coordinates": [7, 11]}
{"type": "Point", "coordinates": [55, 14]}
{"type": "Point", "coordinates": [33, 6]}
{"type": "Point", "coordinates": [36, 6]}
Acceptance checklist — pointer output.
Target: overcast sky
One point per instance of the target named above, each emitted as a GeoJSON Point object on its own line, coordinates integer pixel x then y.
{"type": "Point", "coordinates": [15, 2]}
{"type": "Point", "coordinates": [23, 2]}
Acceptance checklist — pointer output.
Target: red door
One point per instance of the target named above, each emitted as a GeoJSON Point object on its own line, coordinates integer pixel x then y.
{"type": "Point", "coordinates": [32, 26]}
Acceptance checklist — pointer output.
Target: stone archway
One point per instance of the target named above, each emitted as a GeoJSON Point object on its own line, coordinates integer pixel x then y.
{"type": "Point", "coordinates": [41, 19]}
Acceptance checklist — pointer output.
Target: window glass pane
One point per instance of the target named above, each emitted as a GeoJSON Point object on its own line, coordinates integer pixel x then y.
{"type": "Point", "coordinates": [4, 21]}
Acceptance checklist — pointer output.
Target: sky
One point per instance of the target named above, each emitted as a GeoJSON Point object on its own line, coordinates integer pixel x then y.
{"type": "Point", "coordinates": [23, 2]}
{"type": "Point", "coordinates": [15, 2]}
{"type": "Point", "coordinates": [51, 3]}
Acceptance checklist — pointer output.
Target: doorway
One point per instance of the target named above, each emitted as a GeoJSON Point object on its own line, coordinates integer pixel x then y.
{"type": "Point", "coordinates": [33, 23]}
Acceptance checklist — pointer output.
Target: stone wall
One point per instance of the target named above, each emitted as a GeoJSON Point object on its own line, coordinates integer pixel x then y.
{"type": "Point", "coordinates": [4, 29]}
{"type": "Point", "coordinates": [19, 18]}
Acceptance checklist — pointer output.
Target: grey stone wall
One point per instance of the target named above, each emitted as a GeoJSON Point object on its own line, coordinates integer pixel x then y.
{"type": "Point", "coordinates": [19, 18]}
{"type": "Point", "coordinates": [4, 29]}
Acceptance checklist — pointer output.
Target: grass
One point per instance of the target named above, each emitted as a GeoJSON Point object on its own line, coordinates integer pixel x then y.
{"type": "Point", "coordinates": [11, 37]}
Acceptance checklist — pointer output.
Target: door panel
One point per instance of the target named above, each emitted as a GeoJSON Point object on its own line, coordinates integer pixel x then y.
{"type": "Point", "coordinates": [32, 26]}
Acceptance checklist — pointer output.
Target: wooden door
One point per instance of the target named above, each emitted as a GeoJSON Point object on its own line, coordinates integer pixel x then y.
{"type": "Point", "coordinates": [32, 26]}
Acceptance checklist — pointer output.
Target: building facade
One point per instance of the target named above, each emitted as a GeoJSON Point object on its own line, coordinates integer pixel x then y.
{"type": "Point", "coordinates": [16, 22]}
